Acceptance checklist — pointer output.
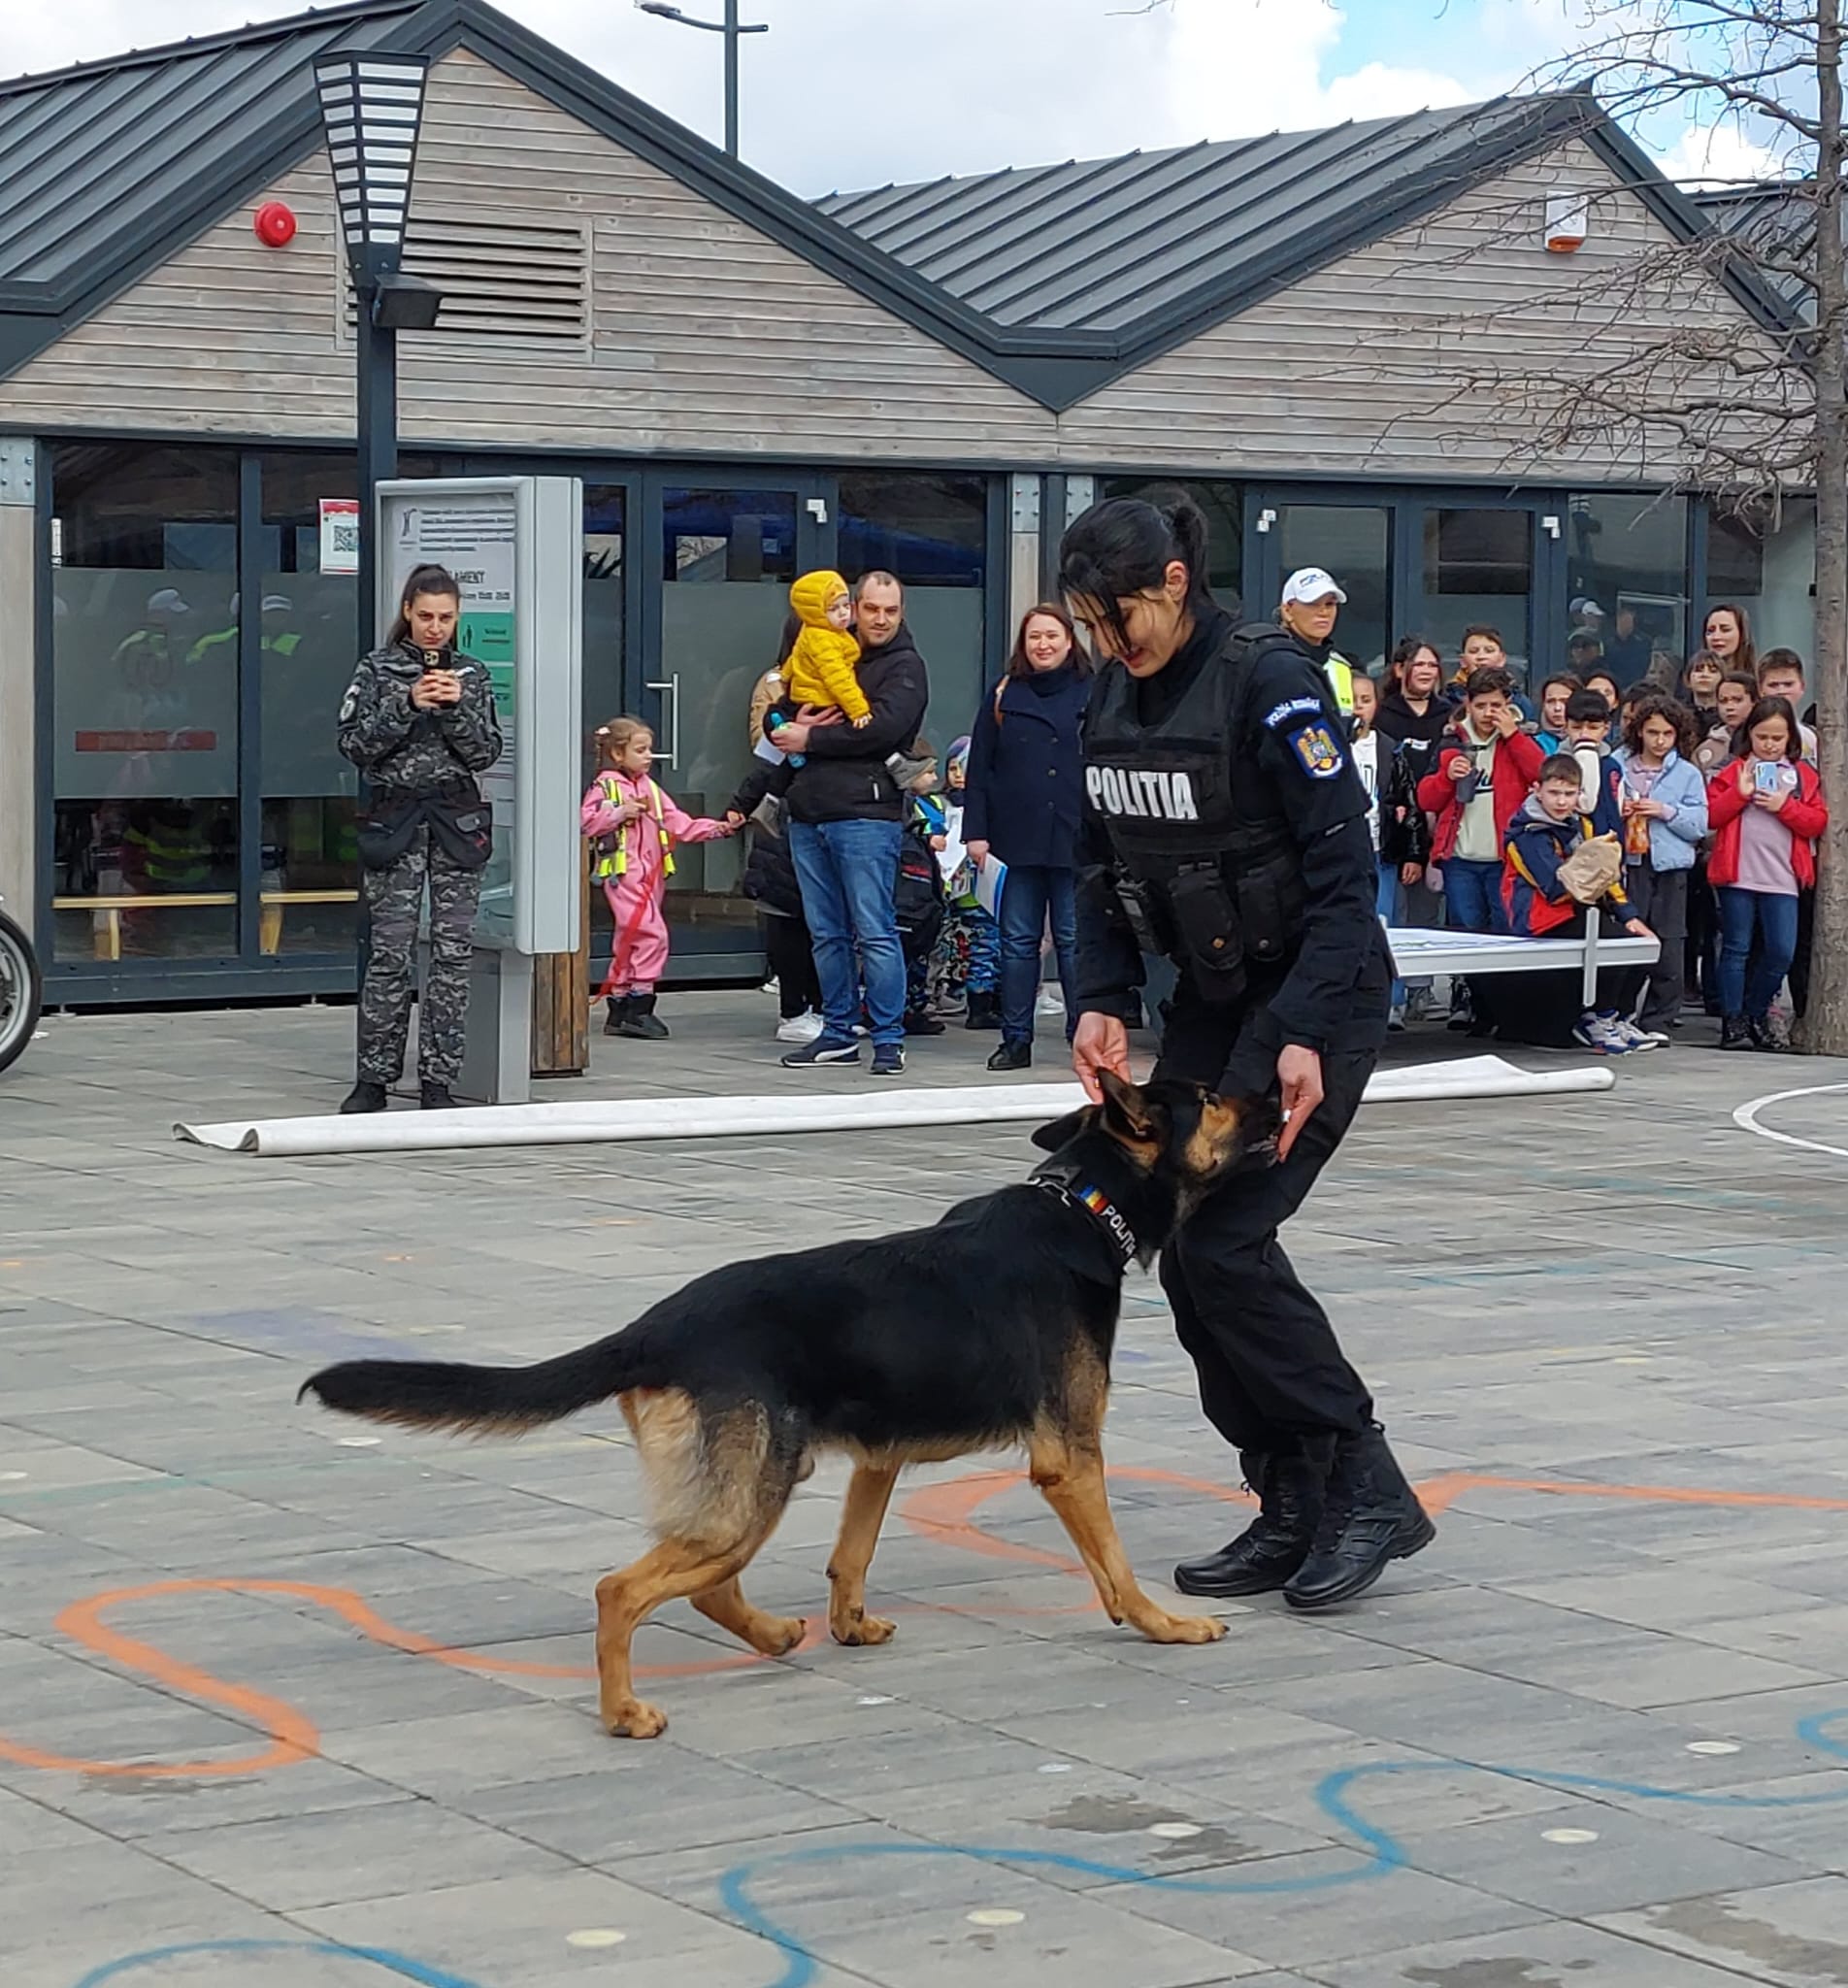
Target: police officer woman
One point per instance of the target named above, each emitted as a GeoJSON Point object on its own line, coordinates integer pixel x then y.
{"type": "Point", "coordinates": [1225, 828]}
{"type": "Point", "coordinates": [419, 722]}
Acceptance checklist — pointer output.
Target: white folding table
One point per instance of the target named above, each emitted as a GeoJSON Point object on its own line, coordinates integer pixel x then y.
{"type": "Point", "coordinates": [1419, 951]}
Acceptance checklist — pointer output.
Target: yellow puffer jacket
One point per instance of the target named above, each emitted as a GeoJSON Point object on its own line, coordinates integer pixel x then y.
{"type": "Point", "coordinates": [823, 665]}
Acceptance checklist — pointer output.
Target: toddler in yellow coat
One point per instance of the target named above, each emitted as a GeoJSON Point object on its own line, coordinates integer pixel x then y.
{"type": "Point", "coordinates": [823, 665]}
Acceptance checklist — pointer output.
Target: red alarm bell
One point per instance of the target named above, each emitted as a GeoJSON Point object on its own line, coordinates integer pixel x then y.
{"type": "Point", "coordinates": [275, 225]}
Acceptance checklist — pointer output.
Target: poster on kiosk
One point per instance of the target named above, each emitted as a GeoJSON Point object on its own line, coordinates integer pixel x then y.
{"type": "Point", "coordinates": [514, 545]}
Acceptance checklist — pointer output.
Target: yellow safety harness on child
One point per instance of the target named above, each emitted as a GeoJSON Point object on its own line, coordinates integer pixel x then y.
{"type": "Point", "coordinates": [614, 861]}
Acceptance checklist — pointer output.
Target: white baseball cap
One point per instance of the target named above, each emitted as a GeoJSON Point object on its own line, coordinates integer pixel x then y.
{"type": "Point", "coordinates": [168, 600]}
{"type": "Point", "coordinates": [1587, 606]}
{"type": "Point", "coordinates": [1310, 583]}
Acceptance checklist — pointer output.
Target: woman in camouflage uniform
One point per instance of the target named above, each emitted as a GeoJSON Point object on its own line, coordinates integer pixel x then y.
{"type": "Point", "coordinates": [419, 722]}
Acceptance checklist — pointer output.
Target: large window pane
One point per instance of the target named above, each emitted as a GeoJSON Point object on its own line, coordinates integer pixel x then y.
{"type": "Point", "coordinates": [1352, 542]}
{"type": "Point", "coordinates": [1478, 571]}
{"type": "Point", "coordinates": [1224, 507]}
{"type": "Point", "coordinates": [1627, 566]}
{"type": "Point", "coordinates": [145, 702]}
{"type": "Point", "coordinates": [931, 532]}
{"type": "Point", "coordinates": [727, 561]}
{"type": "Point", "coordinates": [1768, 568]}
{"type": "Point", "coordinates": [309, 639]}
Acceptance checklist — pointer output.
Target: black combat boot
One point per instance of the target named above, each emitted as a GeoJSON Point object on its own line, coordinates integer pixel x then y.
{"type": "Point", "coordinates": [436, 1097]}
{"type": "Point", "coordinates": [1290, 1489]}
{"type": "Point", "coordinates": [1733, 1032]}
{"type": "Point", "coordinates": [642, 1021]}
{"type": "Point", "coordinates": [1012, 1056]}
{"type": "Point", "coordinates": [365, 1096]}
{"type": "Point", "coordinates": [617, 1005]}
{"type": "Point", "coordinates": [1370, 1517]}
{"type": "Point", "coordinates": [1764, 1035]}
{"type": "Point", "coordinates": [984, 1011]}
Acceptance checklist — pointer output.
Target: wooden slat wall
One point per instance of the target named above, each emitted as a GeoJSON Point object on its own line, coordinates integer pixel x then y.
{"type": "Point", "coordinates": [709, 337]}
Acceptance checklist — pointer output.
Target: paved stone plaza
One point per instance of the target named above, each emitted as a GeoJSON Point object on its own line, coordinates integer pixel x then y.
{"type": "Point", "coordinates": [287, 1704]}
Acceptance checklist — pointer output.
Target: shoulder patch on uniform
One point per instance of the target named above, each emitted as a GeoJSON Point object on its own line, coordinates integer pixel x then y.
{"type": "Point", "coordinates": [1314, 745]}
{"type": "Point", "coordinates": [1292, 707]}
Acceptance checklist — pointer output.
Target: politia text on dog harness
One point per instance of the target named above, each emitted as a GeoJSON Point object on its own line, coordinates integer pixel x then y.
{"type": "Point", "coordinates": [614, 861]}
{"type": "Point", "coordinates": [1095, 1202]}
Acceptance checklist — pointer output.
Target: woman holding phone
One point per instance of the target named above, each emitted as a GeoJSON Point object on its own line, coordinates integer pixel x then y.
{"type": "Point", "coordinates": [1766, 810]}
{"type": "Point", "coordinates": [418, 721]}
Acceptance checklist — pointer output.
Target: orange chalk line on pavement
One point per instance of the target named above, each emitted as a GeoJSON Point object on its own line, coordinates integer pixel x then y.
{"type": "Point", "coordinates": [945, 1512]}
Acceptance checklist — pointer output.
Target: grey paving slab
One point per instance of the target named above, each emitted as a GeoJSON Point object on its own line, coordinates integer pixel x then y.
{"type": "Point", "coordinates": [1643, 1549]}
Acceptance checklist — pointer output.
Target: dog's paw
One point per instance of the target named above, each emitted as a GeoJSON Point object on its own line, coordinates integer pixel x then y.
{"type": "Point", "coordinates": [863, 1631]}
{"type": "Point", "coordinates": [635, 1720]}
{"type": "Point", "coordinates": [1186, 1629]}
{"type": "Point", "coordinates": [777, 1634]}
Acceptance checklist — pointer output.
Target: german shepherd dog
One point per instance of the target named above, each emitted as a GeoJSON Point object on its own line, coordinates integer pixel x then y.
{"type": "Point", "coordinates": [993, 1330]}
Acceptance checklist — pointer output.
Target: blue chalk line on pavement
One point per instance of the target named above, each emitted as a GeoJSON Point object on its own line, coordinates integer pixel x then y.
{"type": "Point", "coordinates": [1383, 1853]}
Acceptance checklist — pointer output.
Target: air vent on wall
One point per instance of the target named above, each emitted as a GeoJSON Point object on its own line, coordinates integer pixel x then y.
{"type": "Point", "coordinates": [523, 283]}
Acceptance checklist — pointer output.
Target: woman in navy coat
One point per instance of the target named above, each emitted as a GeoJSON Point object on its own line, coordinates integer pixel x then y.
{"type": "Point", "coordinates": [1024, 789]}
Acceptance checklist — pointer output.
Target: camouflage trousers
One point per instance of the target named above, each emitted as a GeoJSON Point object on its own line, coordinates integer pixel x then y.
{"type": "Point", "coordinates": [394, 898]}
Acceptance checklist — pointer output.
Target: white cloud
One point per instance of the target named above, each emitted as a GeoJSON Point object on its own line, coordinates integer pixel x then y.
{"type": "Point", "coordinates": [1722, 154]}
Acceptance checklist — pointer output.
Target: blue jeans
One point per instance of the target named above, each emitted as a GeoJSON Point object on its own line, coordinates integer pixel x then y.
{"type": "Point", "coordinates": [1473, 896]}
{"type": "Point", "coordinates": [1387, 902]}
{"type": "Point", "coordinates": [1029, 894]}
{"type": "Point", "coordinates": [1771, 917]}
{"type": "Point", "coordinates": [847, 871]}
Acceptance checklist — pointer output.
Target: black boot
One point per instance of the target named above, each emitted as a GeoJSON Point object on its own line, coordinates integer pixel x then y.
{"type": "Point", "coordinates": [1734, 1034]}
{"type": "Point", "coordinates": [1764, 1035]}
{"type": "Point", "coordinates": [984, 1011]}
{"type": "Point", "coordinates": [920, 1021]}
{"type": "Point", "coordinates": [365, 1096]}
{"type": "Point", "coordinates": [1012, 1056]}
{"type": "Point", "coordinates": [1370, 1517]}
{"type": "Point", "coordinates": [642, 1021]}
{"type": "Point", "coordinates": [1277, 1541]}
{"type": "Point", "coordinates": [618, 1013]}
{"type": "Point", "coordinates": [436, 1096]}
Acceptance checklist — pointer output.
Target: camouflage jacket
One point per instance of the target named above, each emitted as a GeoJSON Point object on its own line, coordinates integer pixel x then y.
{"type": "Point", "coordinates": [395, 744]}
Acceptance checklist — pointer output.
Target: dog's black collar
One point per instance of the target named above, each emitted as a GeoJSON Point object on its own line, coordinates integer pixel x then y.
{"type": "Point", "coordinates": [1076, 1190]}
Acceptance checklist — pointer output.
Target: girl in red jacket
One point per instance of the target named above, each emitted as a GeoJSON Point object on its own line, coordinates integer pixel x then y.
{"type": "Point", "coordinates": [1766, 811]}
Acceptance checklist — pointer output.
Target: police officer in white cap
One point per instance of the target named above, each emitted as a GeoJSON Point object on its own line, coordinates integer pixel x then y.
{"type": "Point", "coordinates": [1310, 602]}
{"type": "Point", "coordinates": [1225, 828]}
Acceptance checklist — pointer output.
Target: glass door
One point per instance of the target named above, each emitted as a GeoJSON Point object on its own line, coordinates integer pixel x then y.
{"type": "Point", "coordinates": [722, 555]}
{"type": "Point", "coordinates": [1351, 542]}
{"type": "Point", "coordinates": [1500, 567]}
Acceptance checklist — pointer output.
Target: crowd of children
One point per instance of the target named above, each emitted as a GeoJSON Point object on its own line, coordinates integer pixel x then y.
{"type": "Point", "coordinates": [1693, 819]}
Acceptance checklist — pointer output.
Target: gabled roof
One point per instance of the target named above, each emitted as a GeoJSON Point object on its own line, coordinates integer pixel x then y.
{"type": "Point", "coordinates": [1055, 280]}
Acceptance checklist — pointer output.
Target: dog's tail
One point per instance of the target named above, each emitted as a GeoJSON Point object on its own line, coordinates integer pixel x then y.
{"type": "Point", "coordinates": [492, 1401]}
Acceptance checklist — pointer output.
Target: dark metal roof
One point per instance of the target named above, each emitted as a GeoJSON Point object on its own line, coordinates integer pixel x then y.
{"type": "Point", "coordinates": [1109, 243]}
{"type": "Point", "coordinates": [1774, 222]}
{"type": "Point", "coordinates": [1055, 280]}
{"type": "Point", "coordinates": [93, 155]}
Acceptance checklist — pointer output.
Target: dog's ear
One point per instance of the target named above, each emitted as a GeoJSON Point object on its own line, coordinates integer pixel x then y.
{"type": "Point", "coordinates": [1126, 1111]}
{"type": "Point", "coordinates": [1063, 1131]}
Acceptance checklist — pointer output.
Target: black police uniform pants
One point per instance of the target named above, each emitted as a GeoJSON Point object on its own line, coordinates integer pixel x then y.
{"type": "Point", "coordinates": [1270, 1366]}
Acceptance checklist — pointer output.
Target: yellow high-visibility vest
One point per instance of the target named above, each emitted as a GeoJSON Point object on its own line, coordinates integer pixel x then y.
{"type": "Point", "coordinates": [1341, 675]}
{"type": "Point", "coordinates": [614, 861]}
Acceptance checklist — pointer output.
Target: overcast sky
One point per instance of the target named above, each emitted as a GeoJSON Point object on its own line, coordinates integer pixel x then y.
{"type": "Point", "coordinates": [854, 93]}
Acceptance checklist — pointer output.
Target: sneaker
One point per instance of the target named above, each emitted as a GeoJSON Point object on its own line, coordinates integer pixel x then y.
{"type": "Point", "coordinates": [824, 1048]}
{"type": "Point", "coordinates": [1051, 1001]}
{"type": "Point", "coordinates": [888, 1059]}
{"type": "Point", "coordinates": [1638, 1038]}
{"type": "Point", "coordinates": [1599, 1033]}
{"type": "Point", "coordinates": [1654, 1038]}
{"type": "Point", "coordinates": [800, 1028]}
{"type": "Point", "coordinates": [1396, 1022]}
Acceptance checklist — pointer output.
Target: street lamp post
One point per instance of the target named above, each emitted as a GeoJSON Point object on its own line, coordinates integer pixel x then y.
{"type": "Point", "coordinates": [372, 109]}
{"type": "Point", "coordinates": [731, 28]}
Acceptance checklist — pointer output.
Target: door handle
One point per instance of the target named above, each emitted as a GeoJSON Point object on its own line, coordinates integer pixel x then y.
{"type": "Point", "coordinates": [670, 718]}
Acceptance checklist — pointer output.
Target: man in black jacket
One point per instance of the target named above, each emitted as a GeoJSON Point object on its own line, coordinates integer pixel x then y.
{"type": "Point", "coordinates": [846, 816]}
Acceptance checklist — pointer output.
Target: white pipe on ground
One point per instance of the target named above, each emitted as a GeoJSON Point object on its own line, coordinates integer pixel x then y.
{"type": "Point", "coordinates": [732, 1117]}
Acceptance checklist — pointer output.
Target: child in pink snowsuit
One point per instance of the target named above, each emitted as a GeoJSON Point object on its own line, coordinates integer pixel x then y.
{"type": "Point", "coordinates": [633, 826]}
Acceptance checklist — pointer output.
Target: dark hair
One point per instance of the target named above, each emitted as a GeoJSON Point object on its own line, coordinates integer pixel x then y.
{"type": "Point", "coordinates": [1768, 707]}
{"type": "Point", "coordinates": [1017, 663]}
{"type": "Point", "coordinates": [884, 579]}
{"type": "Point", "coordinates": [1739, 679]}
{"type": "Point", "coordinates": [1487, 628]}
{"type": "Point", "coordinates": [1653, 705]}
{"type": "Point", "coordinates": [1587, 707]}
{"type": "Point", "coordinates": [788, 640]}
{"type": "Point", "coordinates": [1405, 651]}
{"type": "Point", "coordinates": [1591, 676]}
{"type": "Point", "coordinates": [1125, 546]}
{"type": "Point", "coordinates": [1781, 659]}
{"type": "Point", "coordinates": [1560, 765]}
{"type": "Point", "coordinates": [1748, 656]}
{"type": "Point", "coordinates": [1487, 682]}
{"type": "Point", "coordinates": [1564, 677]}
{"type": "Point", "coordinates": [423, 579]}
{"type": "Point", "coordinates": [1700, 656]}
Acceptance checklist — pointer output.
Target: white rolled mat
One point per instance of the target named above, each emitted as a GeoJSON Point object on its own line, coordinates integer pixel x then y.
{"type": "Point", "coordinates": [832, 1110]}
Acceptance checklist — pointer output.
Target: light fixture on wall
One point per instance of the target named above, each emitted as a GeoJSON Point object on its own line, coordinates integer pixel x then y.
{"type": "Point", "coordinates": [1567, 222]}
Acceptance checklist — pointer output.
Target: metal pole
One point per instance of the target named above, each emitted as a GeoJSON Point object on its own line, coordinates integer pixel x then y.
{"type": "Point", "coordinates": [732, 32]}
{"type": "Point", "coordinates": [376, 421]}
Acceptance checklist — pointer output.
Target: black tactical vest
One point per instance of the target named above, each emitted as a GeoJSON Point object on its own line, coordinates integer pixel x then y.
{"type": "Point", "coordinates": [1206, 869]}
